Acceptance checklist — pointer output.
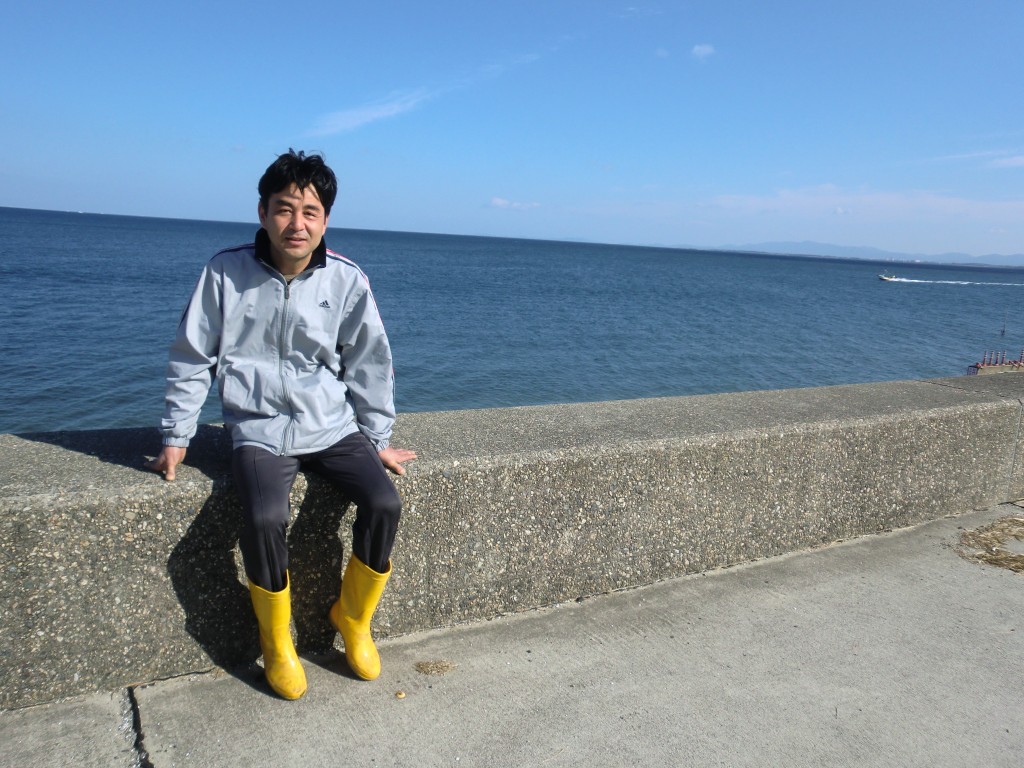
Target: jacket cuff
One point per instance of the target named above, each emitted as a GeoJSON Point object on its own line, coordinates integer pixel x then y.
{"type": "Point", "coordinates": [380, 445]}
{"type": "Point", "coordinates": [176, 442]}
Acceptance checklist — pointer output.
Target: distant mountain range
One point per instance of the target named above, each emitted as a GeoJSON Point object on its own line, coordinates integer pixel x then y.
{"type": "Point", "coordinates": [807, 248]}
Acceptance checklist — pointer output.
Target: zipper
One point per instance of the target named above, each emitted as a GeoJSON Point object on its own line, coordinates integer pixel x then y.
{"type": "Point", "coordinates": [286, 438]}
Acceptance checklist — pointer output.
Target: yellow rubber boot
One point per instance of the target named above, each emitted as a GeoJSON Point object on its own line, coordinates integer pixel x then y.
{"type": "Point", "coordinates": [280, 662]}
{"type": "Point", "coordinates": [361, 588]}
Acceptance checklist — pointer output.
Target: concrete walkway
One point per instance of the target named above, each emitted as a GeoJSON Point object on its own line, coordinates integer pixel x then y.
{"type": "Point", "coordinates": [886, 651]}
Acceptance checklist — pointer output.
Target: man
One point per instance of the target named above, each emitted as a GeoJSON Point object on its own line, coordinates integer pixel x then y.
{"type": "Point", "coordinates": [292, 334]}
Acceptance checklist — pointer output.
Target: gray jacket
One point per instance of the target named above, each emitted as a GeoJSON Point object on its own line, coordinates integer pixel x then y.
{"type": "Point", "coordinates": [299, 365]}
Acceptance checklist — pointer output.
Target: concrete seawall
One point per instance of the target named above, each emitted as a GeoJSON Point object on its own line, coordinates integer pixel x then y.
{"type": "Point", "coordinates": [114, 577]}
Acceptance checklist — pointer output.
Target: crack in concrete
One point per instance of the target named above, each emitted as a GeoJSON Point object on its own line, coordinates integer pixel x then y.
{"type": "Point", "coordinates": [142, 756]}
{"type": "Point", "coordinates": [947, 385]}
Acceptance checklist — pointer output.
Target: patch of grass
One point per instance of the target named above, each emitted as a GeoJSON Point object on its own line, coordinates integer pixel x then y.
{"type": "Point", "coordinates": [436, 667]}
{"type": "Point", "coordinates": [988, 544]}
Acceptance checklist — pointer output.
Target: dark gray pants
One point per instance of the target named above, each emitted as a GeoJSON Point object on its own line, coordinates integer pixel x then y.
{"type": "Point", "coordinates": [264, 481]}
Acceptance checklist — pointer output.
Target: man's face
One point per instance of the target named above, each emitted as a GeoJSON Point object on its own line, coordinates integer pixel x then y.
{"type": "Point", "coordinates": [295, 221]}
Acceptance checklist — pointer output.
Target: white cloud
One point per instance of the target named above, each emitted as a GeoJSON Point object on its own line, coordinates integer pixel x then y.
{"type": "Point", "coordinates": [350, 119]}
{"type": "Point", "coordinates": [826, 203]}
{"type": "Point", "coordinates": [399, 102]}
{"type": "Point", "coordinates": [964, 156]}
{"type": "Point", "coordinates": [702, 51]}
{"type": "Point", "coordinates": [995, 158]}
{"type": "Point", "coordinates": [497, 68]}
{"type": "Point", "coordinates": [501, 202]}
{"type": "Point", "coordinates": [635, 12]}
{"type": "Point", "coordinates": [830, 199]}
{"type": "Point", "coordinates": [1017, 161]}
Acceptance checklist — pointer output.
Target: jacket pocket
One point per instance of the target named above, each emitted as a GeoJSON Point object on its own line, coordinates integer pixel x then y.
{"type": "Point", "coordinates": [244, 393]}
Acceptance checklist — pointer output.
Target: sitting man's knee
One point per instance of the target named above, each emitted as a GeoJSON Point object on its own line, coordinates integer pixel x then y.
{"type": "Point", "coordinates": [387, 506]}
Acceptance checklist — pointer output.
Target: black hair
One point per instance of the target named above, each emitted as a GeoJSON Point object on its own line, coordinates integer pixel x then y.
{"type": "Point", "coordinates": [302, 170]}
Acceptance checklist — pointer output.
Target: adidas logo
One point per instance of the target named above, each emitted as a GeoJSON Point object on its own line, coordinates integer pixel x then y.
{"type": "Point", "coordinates": [324, 304]}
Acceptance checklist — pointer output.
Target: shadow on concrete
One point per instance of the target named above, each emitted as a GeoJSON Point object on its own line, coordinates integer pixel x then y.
{"type": "Point", "coordinates": [209, 452]}
{"type": "Point", "coordinates": [205, 578]}
{"type": "Point", "coordinates": [316, 555]}
{"type": "Point", "coordinates": [332, 661]}
{"type": "Point", "coordinates": [205, 574]}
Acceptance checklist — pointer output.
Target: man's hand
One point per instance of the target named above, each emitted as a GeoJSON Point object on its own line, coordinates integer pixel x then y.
{"type": "Point", "coordinates": [393, 458]}
{"type": "Point", "coordinates": [169, 458]}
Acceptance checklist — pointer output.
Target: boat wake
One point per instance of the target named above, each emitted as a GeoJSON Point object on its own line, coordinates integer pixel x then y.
{"type": "Point", "coordinates": [943, 282]}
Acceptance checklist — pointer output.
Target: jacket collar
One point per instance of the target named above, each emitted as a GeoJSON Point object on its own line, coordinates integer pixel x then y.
{"type": "Point", "coordinates": [318, 258]}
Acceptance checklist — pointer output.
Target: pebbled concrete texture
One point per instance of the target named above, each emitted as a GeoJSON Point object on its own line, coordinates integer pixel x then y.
{"type": "Point", "coordinates": [1006, 386]}
{"type": "Point", "coordinates": [890, 650]}
{"type": "Point", "coordinates": [117, 577]}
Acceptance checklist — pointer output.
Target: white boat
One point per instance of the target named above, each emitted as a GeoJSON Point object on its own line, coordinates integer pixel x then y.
{"type": "Point", "coordinates": [887, 278]}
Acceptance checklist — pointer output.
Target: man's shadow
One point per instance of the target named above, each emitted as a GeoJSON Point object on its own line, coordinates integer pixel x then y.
{"type": "Point", "coordinates": [209, 581]}
{"type": "Point", "coordinates": [208, 453]}
{"type": "Point", "coordinates": [205, 576]}
{"type": "Point", "coordinates": [317, 555]}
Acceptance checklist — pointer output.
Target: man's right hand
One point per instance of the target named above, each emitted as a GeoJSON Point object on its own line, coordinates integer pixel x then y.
{"type": "Point", "coordinates": [169, 458]}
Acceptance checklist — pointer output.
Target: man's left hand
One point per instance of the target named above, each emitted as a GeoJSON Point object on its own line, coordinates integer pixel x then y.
{"type": "Point", "coordinates": [393, 458]}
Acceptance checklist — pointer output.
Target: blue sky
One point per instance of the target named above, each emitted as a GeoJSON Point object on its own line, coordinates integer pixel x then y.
{"type": "Point", "coordinates": [897, 125]}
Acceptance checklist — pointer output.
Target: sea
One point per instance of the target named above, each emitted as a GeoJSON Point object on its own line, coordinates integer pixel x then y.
{"type": "Point", "coordinates": [91, 303]}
